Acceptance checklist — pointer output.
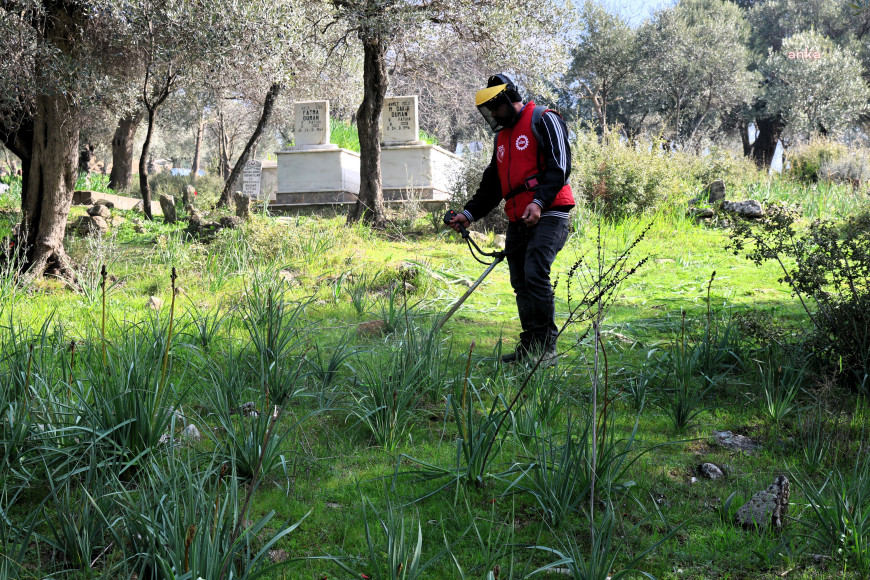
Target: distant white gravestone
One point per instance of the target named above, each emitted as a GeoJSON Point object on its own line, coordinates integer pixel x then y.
{"type": "Point", "coordinates": [251, 178]}
{"type": "Point", "coordinates": [399, 121]}
{"type": "Point", "coordinates": [312, 123]}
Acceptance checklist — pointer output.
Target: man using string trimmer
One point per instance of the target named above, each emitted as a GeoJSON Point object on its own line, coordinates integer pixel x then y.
{"type": "Point", "coordinates": [530, 166]}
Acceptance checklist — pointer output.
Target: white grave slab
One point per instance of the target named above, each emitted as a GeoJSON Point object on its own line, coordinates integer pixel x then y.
{"type": "Point", "coordinates": [423, 171]}
{"type": "Point", "coordinates": [251, 175]}
{"type": "Point", "coordinates": [399, 121]}
{"type": "Point", "coordinates": [317, 177]}
{"type": "Point", "coordinates": [312, 125]}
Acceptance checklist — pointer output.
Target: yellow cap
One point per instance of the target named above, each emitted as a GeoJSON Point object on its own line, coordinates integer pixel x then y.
{"type": "Point", "coordinates": [488, 94]}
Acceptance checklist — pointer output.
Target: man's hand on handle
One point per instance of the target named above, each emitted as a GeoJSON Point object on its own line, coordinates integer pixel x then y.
{"type": "Point", "coordinates": [460, 219]}
{"type": "Point", "coordinates": [532, 214]}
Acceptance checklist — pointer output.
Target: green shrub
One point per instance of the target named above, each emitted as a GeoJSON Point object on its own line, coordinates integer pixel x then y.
{"type": "Point", "coordinates": [828, 269]}
{"type": "Point", "coordinates": [622, 178]}
{"type": "Point", "coordinates": [853, 168]}
{"type": "Point", "coordinates": [807, 160]}
{"type": "Point", "coordinates": [735, 170]}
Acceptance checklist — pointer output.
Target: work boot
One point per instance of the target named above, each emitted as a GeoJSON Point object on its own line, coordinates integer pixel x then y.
{"type": "Point", "coordinates": [518, 355]}
{"type": "Point", "coordinates": [550, 357]}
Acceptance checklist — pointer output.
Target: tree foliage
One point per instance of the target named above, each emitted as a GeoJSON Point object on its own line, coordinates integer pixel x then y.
{"type": "Point", "coordinates": [816, 85]}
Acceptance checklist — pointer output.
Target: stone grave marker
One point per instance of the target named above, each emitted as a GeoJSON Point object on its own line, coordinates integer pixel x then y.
{"type": "Point", "coordinates": [251, 178]}
{"type": "Point", "coordinates": [399, 121]}
{"type": "Point", "coordinates": [312, 123]}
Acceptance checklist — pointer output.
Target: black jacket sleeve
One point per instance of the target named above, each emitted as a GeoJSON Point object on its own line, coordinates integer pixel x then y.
{"type": "Point", "coordinates": [488, 194]}
{"type": "Point", "coordinates": [556, 156]}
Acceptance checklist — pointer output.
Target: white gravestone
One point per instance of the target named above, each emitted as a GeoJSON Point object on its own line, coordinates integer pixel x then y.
{"type": "Point", "coordinates": [410, 167]}
{"type": "Point", "coordinates": [399, 122]}
{"type": "Point", "coordinates": [251, 178]}
{"type": "Point", "coordinates": [312, 124]}
{"type": "Point", "coordinates": [315, 171]}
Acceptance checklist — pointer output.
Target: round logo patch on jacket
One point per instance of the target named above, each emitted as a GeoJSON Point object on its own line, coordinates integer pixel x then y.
{"type": "Point", "coordinates": [522, 142]}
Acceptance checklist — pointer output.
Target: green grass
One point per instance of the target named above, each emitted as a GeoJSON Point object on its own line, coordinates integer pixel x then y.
{"type": "Point", "coordinates": [344, 433]}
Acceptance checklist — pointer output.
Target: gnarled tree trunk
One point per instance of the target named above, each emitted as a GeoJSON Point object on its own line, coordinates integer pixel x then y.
{"type": "Point", "coordinates": [369, 205]}
{"type": "Point", "coordinates": [144, 186]}
{"type": "Point", "coordinates": [268, 106]}
{"type": "Point", "coordinates": [49, 185]}
{"type": "Point", "coordinates": [769, 131]}
{"type": "Point", "coordinates": [197, 151]}
{"type": "Point", "coordinates": [121, 176]}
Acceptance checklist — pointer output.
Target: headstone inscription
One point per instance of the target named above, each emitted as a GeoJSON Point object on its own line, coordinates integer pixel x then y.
{"type": "Point", "coordinates": [399, 121]}
{"type": "Point", "coordinates": [312, 123]}
{"type": "Point", "coordinates": [251, 178]}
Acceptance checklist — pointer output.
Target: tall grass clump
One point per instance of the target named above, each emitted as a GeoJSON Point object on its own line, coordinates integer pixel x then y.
{"type": "Point", "coordinates": [599, 561]}
{"type": "Point", "coordinates": [186, 523]}
{"type": "Point", "coordinates": [807, 161]}
{"type": "Point", "coordinates": [394, 546]}
{"type": "Point", "coordinates": [838, 514]}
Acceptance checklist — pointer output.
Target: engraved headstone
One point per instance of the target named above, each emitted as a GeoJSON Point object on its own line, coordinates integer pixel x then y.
{"type": "Point", "coordinates": [399, 122]}
{"type": "Point", "coordinates": [251, 178]}
{"type": "Point", "coordinates": [312, 123]}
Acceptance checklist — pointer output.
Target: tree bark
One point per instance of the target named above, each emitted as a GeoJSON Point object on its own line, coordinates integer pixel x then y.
{"type": "Point", "coordinates": [369, 205]}
{"type": "Point", "coordinates": [121, 176]}
{"type": "Point", "coordinates": [268, 106]}
{"type": "Point", "coordinates": [144, 186]}
{"type": "Point", "coordinates": [223, 150]}
{"type": "Point", "coordinates": [49, 182]}
{"type": "Point", "coordinates": [197, 151]}
{"type": "Point", "coordinates": [769, 131]}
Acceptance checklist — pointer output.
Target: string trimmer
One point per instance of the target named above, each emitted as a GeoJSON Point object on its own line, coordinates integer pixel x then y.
{"type": "Point", "coordinates": [496, 258]}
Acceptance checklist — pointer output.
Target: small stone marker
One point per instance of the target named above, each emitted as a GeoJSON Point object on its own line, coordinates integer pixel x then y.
{"type": "Point", "coordinates": [167, 204]}
{"type": "Point", "coordinates": [766, 508]}
{"type": "Point", "coordinates": [251, 178]}
{"type": "Point", "coordinates": [243, 205]}
{"type": "Point", "coordinates": [715, 191]}
{"type": "Point", "coordinates": [399, 121]}
{"type": "Point", "coordinates": [312, 123]}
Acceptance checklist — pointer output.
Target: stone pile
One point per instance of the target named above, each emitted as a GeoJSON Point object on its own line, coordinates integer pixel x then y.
{"type": "Point", "coordinates": [98, 220]}
{"type": "Point", "coordinates": [713, 202]}
{"type": "Point", "coordinates": [206, 230]}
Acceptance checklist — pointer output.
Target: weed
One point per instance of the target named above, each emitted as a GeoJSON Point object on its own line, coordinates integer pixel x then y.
{"type": "Point", "coordinates": [598, 562]}
{"type": "Point", "coordinates": [838, 518]}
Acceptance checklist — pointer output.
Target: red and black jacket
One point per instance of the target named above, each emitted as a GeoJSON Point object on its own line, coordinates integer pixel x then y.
{"type": "Point", "coordinates": [525, 170]}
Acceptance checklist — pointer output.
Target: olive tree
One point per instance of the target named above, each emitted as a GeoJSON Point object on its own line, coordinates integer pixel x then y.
{"type": "Point", "coordinates": [509, 31]}
{"type": "Point", "coordinates": [814, 84]}
{"type": "Point", "coordinates": [52, 54]}
{"type": "Point", "coordinates": [695, 66]}
{"type": "Point", "coordinates": [604, 58]}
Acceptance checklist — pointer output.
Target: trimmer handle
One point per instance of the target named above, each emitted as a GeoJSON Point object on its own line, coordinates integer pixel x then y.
{"type": "Point", "coordinates": [449, 216]}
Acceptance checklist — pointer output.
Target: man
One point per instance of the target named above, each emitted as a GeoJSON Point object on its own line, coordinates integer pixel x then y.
{"type": "Point", "coordinates": [529, 169]}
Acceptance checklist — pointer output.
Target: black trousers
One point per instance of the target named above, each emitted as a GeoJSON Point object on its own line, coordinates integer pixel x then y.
{"type": "Point", "coordinates": [532, 252]}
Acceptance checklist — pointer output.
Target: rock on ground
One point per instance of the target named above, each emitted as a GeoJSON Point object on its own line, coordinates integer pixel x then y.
{"type": "Point", "coordinates": [729, 440]}
{"type": "Point", "coordinates": [711, 471]}
{"type": "Point", "coordinates": [167, 204]}
{"type": "Point", "coordinates": [372, 328]}
{"type": "Point", "coordinates": [88, 225]}
{"type": "Point", "coordinates": [100, 210]}
{"type": "Point", "coordinates": [766, 508]}
{"type": "Point", "coordinates": [155, 303]}
{"type": "Point", "coordinates": [748, 209]}
{"type": "Point", "coordinates": [191, 433]}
